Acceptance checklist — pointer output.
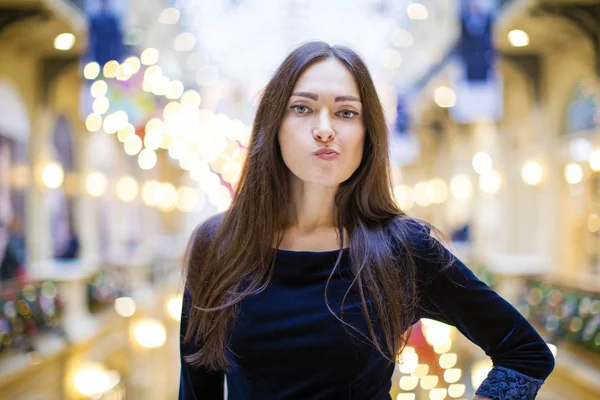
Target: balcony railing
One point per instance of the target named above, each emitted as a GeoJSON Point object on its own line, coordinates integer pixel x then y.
{"type": "Point", "coordinates": [77, 4]}
{"type": "Point", "coordinates": [504, 3]}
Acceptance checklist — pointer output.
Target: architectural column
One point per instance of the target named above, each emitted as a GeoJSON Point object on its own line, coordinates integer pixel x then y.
{"type": "Point", "coordinates": [38, 218]}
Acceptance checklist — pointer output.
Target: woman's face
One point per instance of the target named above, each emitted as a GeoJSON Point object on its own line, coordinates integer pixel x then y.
{"type": "Point", "coordinates": [323, 113]}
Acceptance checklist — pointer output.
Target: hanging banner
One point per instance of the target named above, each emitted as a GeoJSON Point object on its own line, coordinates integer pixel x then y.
{"type": "Point", "coordinates": [475, 80]}
{"type": "Point", "coordinates": [105, 34]}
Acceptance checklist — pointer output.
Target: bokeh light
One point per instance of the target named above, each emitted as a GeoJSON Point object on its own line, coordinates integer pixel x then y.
{"type": "Point", "coordinates": [490, 182]}
{"type": "Point", "coordinates": [518, 38]}
{"type": "Point", "coordinates": [64, 41]}
{"type": "Point", "coordinates": [169, 16]}
{"type": "Point", "coordinates": [147, 159]}
{"type": "Point", "coordinates": [444, 97]}
{"type": "Point", "coordinates": [595, 160]}
{"type": "Point", "coordinates": [417, 11]}
{"type": "Point", "coordinates": [91, 70]}
{"type": "Point", "coordinates": [149, 56]}
{"type": "Point", "coordinates": [127, 189]}
{"type": "Point", "coordinates": [480, 371]}
{"type": "Point", "coordinates": [93, 122]}
{"type": "Point", "coordinates": [174, 305]}
{"type": "Point", "coordinates": [482, 163]}
{"type": "Point", "coordinates": [461, 187]}
{"type": "Point", "coordinates": [573, 173]}
{"type": "Point", "coordinates": [133, 145]}
{"type": "Point", "coordinates": [149, 333]}
{"type": "Point", "coordinates": [96, 183]}
{"type": "Point", "coordinates": [532, 173]}
{"type": "Point", "coordinates": [110, 69]}
{"type": "Point", "coordinates": [125, 306]}
{"type": "Point", "coordinates": [52, 175]}
{"type": "Point", "coordinates": [93, 380]}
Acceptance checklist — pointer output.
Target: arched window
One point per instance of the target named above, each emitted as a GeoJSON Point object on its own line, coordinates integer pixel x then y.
{"type": "Point", "coordinates": [64, 236]}
{"type": "Point", "coordinates": [14, 134]}
{"type": "Point", "coordinates": [582, 109]}
{"type": "Point", "coordinates": [582, 121]}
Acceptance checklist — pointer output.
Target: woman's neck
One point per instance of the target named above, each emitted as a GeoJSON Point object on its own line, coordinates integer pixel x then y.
{"type": "Point", "coordinates": [312, 207]}
{"type": "Point", "coordinates": [321, 239]}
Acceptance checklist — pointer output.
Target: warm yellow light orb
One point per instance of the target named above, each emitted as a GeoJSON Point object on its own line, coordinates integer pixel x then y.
{"type": "Point", "coordinates": [147, 159]}
{"type": "Point", "coordinates": [573, 173]}
{"type": "Point", "coordinates": [532, 173]}
{"type": "Point", "coordinates": [52, 175]}
{"type": "Point", "coordinates": [149, 56]}
{"type": "Point", "coordinates": [150, 333]}
{"type": "Point", "coordinates": [127, 189]}
{"type": "Point", "coordinates": [91, 70]}
{"type": "Point", "coordinates": [96, 184]}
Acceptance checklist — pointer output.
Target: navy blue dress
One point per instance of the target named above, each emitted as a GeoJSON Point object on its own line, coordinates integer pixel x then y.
{"type": "Point", "coordinates": [289, 346]}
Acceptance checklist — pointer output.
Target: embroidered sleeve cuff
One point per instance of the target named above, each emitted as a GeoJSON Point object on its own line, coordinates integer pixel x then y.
{"type": "Point", "coordinates": [506, 384]}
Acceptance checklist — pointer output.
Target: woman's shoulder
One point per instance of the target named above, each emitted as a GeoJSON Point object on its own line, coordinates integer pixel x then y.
{"type": "Point", "coordinates": [207, 229]}
{"type": "Point", "coordinates": [418, 239]}
{"type": "Point", "coordinates": [410, 231]}
{"type": "Point", "coordinates": [200, 240]}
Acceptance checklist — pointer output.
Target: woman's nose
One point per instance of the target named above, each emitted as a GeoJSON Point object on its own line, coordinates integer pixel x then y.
{"type": "Point", "coordinates": [324, 131]}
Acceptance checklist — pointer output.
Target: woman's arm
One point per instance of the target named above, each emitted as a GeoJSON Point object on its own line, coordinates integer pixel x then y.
{"type": "Point", "coordinates": [454, 295]}
{"type": "Point", "coordinates": [196, 383]}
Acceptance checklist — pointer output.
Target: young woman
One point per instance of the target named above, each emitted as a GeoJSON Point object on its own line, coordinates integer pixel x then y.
{"type": "Point", "coordinates": [306, 286]}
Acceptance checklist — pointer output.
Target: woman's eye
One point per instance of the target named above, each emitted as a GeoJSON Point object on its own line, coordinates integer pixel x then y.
{"type": "Point", "coordinates": [302, 109]}
{"type": "Point", "coordinates": [347, 114]}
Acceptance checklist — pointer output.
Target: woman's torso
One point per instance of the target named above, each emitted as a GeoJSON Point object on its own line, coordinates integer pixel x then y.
{"type": "Point", "coordinates": [288, 345]}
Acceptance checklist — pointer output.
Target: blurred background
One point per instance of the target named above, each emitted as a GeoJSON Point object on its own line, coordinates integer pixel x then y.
{"type": "Point", "coordinates": [124, 124]}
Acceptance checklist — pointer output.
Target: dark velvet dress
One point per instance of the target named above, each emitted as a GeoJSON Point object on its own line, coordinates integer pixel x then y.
{"type": "Point", "coordinates": [289, 346]}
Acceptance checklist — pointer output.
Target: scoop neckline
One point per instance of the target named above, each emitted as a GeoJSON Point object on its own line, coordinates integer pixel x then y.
{"type": "Point", "coordinates": [309, 252]}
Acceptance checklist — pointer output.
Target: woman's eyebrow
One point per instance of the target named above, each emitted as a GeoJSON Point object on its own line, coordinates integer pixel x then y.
{"type": "Point", "coordinates": [315, 97]}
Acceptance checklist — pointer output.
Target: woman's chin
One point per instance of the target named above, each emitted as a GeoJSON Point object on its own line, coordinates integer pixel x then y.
{"type": "Point", "coordinates": [321, 179]}
{"type": "Point", "coordinates": [328, 182]}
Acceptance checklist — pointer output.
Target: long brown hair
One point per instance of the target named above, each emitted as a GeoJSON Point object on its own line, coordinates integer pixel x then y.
{"type": "Point", "coordinates": [231, 255]}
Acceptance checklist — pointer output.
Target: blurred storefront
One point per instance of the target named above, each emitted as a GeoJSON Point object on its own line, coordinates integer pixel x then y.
{"type": "Point", "coordinates": [551, 129]}
{"type": "Point", "coordinates": [520, 176]}
{"type": "Point", "coordinates": [77, 246]}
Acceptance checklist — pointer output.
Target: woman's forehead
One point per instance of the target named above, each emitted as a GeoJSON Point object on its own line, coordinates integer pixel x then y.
{"type": "Point", "coordinates": [329, 76]}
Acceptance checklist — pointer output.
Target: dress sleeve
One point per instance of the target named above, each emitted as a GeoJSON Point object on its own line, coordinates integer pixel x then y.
{"type": "Point", "coordinates": [196, 382]}
{"type": "Point", "coordinates": [449, 292]}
